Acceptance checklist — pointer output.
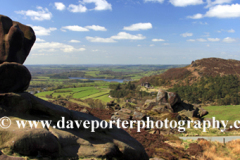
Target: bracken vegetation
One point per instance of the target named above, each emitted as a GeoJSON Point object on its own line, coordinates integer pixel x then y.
{"type": "Point", "coordinates": [155, 146]}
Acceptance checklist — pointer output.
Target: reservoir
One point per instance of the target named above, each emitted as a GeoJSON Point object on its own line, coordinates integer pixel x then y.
{"type": "Point", "coordinates": [101, 79]}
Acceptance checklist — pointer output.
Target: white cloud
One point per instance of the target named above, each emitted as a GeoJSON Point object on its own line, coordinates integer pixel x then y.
{"type": "Point", "coordinates": [138, 26]}
{"type": "Point", "coordinates": [95, 50]}
{"type": "Point", "coordinates": [229, 40]}
{"type": "Point", "coordinates": [139, 45]}
{"type": "Point", "coordinates": [196, 16]}
{"type": "Point", "coordinates": [184, 3]}
{"type": "Point", "coordinates": [216, 2]}
{"type": "Point", "coordinates": [220, 11]}
{"type": "Point", "coordinates": [201, 40]}
{"type": "Point", "coordinates": [59, 6]}
{"type": "Point", "coordinates": [99, 39]}
{"type": "Point", "coordinates": [158, 40]}
{"type": "Point", "coordinates": [231, 31]}
{"type": "Point", "coordinates": [39, 54]}
{"type": "Point", "coordinates": [75, 28]}
{"type": "Point", "coordinates": [124, 35]}
{"type": "Point", "coordinates": [99, 4]}
{"type": "Point", "coordinates": [151, 45]}
{"type": "Point", "coordinates": [224, 11]}
{"type": "Point", "coordinates": [158, 1]}
{"type": "Point", "coordinates": [39, 15]}
{"type": "Point", "coordinates": [191, 40]}
{"type": "Point", "coordinates": [186, 34]}
{"type": "Point", "coordinates": [207, 34]}
{"type": "Point", "coordinates": [74, 41]}
{"type": "Point", "coordinates": [202, 23]}
{"type": "Point", "coordinates": [41, 31]}
{"type": "Point", "coordinates": [96, 28]}
{"type": "Point", "coordinates": [54, 46]}
{"type": "Point", "coordinates": [83, 29]}
{"type": "Point", "coordinates": [120, 35]}
{"type": "Point", "coordinates": [204, 40]}
{"type": "Point", "coordinates": [40, 40]}
{"type": "Point", "coordinates": [166, 44]}
{"type": "Point", "coordinates": [77, 8]}
{"type": "Point", "coordinates": [213, 39]}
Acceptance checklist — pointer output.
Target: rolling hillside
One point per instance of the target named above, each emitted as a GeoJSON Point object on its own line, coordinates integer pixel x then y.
{"type": "Point", "coordinates": [207, 67]}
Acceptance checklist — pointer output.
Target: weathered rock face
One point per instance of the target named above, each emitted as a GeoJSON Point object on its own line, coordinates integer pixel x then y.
{"type": "Point", "coordinates": [121, 116]}
{"type": "Point", "coordinates": [14, 77]}
{"type": "Point", "coordinates": [149, 104]}
{"type": "Point", "coordinates": [161, 96]}
{"type": "Point", "coordinates": [173, 98]}
{"type": "Point", "coordinates": [65, 143]}
{"type": "Point", "coordinates": [167, 97]}
{"type": "Point", "coordinates": [16, 40]}
{"type": "Point", "coordinates": [139, 116]}
{"type": "Point", "coordinates": [162, 108]}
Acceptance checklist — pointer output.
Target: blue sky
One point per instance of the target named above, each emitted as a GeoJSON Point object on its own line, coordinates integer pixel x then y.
{"type": "Point", "coordinates": [129, 31]}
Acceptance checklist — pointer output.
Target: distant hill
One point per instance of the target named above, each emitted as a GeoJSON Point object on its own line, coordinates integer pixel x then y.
{"type": "Point", "coordinates": [206, 67]}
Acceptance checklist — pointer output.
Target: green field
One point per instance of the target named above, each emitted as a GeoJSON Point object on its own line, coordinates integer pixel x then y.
{"type": "Point", "coordinates": [72, 94]}
{"type": "Point", "coordinates": [229, 112]}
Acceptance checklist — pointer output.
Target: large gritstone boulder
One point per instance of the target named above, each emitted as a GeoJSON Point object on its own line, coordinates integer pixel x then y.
{"type": "Point", "coordinates": [14, 77]}
{"type": "Point", "coordinates": [52, 142]}
{"type": "Point", "coordinates": [16, 40]}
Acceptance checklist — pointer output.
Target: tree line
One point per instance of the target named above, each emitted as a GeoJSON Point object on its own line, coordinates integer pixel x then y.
{"type": "Point", "coordinates": [126, 90]}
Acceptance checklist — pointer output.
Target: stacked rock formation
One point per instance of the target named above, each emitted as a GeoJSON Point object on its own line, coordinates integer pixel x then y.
{"type": "Point", "coordinates": [16, 41]}
{"type": "Point", "coordinates": [171, 102]}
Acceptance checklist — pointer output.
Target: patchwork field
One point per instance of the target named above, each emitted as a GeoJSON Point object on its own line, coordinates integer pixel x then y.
{"type": "Point", "coordinates": [73, 94]}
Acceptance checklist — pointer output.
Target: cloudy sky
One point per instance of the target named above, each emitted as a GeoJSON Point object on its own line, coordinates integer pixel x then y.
{"type": "Point", "coordinates": [129, 31]}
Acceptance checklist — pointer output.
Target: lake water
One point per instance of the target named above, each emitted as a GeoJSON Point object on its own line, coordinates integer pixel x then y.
{"type": "Point", "coordinates": [101, 79]}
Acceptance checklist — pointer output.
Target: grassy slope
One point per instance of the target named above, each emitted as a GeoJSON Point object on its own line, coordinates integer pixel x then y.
{"type": "Point", "coordinates": [229, 112]}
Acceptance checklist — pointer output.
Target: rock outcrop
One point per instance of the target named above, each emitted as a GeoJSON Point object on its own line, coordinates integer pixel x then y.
{"type": "Point", "coordinates": [170, 102]}
{"type": "Point", "coordinates": [16, 41]}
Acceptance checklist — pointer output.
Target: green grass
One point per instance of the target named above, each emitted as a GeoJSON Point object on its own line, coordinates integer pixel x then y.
{"type": "Point", "coordinates": [85, 93]}
{"type": "Point", "coordinates": [105, 98]}
{"type": "Point", "coordinates": [223, 112]}
{"type": "Point", "coordinates": [43, 94]}
{"type": "Point", "coordinates": [101, 93]}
